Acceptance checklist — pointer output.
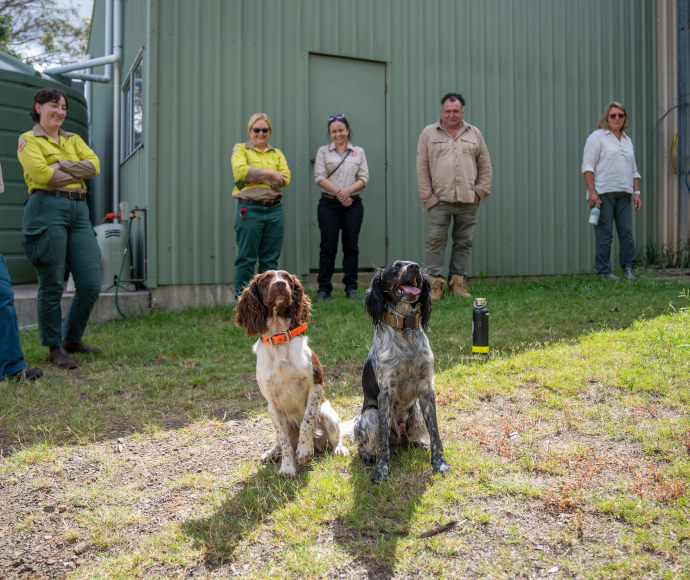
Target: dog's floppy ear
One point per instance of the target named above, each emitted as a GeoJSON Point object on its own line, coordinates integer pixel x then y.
{"type": "Point", "coordinates": [425, 302]}
{"type": "Point", "coordinates": [301, 303]}
{"type": "Point", "coordinates": [250, 312]}
{"type": "Point", "coordinates": [374, 301]}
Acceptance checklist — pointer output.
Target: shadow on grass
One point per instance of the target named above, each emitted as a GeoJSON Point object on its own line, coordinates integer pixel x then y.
{"type": "Point", "coordinates": [380, 515]}
{"type": "Point", "coordinates": [220, 534]}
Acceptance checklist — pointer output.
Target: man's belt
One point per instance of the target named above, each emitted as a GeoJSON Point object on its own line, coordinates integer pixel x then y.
{"type": "Point", "coordinates": [331, 196]}
{"type": "Point", "coordinates": [73, 195]}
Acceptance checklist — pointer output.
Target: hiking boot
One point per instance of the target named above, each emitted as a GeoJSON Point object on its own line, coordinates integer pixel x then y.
{"type": "Point", "coordinates": [26, 374]}
{"type": "Point", "coordinates": [60, 358]}
{"type": "Point", "coordinates": [321, 295]}
{"type": "Point", "coordinates": [629, 274]}
{"type": "Point", "coordinates": [437, 283]}
{"type": "Point", "coordinates": [80, 347]}
{"type": "Point", "coordinates": [458, 286]}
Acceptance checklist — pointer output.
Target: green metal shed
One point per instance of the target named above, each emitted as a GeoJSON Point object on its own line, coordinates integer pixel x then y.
{"type": "Point", "coordinates": [18, 84]}
{"type": "Point", "coordinates": [536, 75]}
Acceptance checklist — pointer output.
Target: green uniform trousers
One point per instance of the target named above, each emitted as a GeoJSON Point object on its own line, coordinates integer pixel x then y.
{"type": "Point", "coordinates": [259, 236]}
{"type": "Point", "coordinates": [58, 233]}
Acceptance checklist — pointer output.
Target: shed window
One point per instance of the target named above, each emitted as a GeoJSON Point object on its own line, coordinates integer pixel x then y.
{"type": "Point", "coordinates": [133, 110]}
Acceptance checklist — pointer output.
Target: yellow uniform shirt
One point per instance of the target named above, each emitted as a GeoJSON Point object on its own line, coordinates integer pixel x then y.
{"type": "Point", "coordinates": [247, 163]}
{"type": "Point", "coordinates": [37, 151]}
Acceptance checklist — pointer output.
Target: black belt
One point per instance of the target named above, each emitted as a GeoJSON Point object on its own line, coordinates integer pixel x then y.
{"type": "Point", "coordinates": [258, 202]}
{"type": "Point", "coordinates": [73, 195]}
{"type": "Point", "coordinates": [331, 196]}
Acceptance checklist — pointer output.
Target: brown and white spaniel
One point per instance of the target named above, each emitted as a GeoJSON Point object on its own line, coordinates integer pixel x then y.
{"type": "Point", "coordinates": [289, 374]}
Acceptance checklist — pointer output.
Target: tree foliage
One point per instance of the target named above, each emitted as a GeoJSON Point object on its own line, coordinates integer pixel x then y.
{"type": "Point", "coordinates": [42, 33]}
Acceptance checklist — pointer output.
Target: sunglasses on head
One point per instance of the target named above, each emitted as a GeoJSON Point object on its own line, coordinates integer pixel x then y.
{"type": "Point", "coordinates": [335, 117]}
{"type": "Point", "coordinates": [260, 130]}
{"type": "Point", "coordinates": [616, 116]}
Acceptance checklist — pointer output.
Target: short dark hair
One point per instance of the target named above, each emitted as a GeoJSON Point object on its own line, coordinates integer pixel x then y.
{"type": "Point", "coordinates": [47, 95]}
{"type": "Point", "coordinates": [453, 97]}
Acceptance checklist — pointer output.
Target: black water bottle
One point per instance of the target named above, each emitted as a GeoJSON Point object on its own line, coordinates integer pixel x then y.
{"type": "Point", "coordinates": [480, 327]}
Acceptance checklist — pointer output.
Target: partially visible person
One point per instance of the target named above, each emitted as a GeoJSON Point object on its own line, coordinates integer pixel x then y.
{"type": "Point", "coordinates": [260, 172]}
{"type": "Point", "coordinates": [453, 175]}
{"type": "Point", "coordinates": [342, 173]}
{"type": "Point", "coordinates": [12, 363]}
{"type": "Point", "coordinates": [610, 172]}
{"type": "Point", "coordinates": [57, 230]}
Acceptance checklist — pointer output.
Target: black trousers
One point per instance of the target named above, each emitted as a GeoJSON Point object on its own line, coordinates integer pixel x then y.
{"type": "Point", "coordinates": [334, 218]}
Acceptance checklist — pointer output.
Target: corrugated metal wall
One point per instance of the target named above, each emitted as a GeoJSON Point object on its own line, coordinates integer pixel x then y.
{"type": "Point", "coordinates": [536, 74]}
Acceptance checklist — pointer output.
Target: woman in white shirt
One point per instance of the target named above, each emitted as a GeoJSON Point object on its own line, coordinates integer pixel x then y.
{"type": "Point", "coordinates": [341, 171]}
{"type": "Point", "coordinates": [610, 172]}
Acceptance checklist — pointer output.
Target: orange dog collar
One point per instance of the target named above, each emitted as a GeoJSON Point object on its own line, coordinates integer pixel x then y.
{"type": "Point", "coordinates": [282, 337]}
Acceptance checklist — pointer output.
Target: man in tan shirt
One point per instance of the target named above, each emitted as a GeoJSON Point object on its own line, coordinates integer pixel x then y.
{"type": "Point", "coordinates": [453, 176]}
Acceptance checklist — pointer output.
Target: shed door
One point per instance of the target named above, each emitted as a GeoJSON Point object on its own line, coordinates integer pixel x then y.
{"type": "Point", "coordinates": [357, 89]}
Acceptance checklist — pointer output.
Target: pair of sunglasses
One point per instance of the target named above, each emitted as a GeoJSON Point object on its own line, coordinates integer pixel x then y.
{"type": "Point", "coordinates": [616, 116]}
{"type": "Point", "coordinates": [260, 130]}
{"type": "Point", "coordinates": [335, 117]}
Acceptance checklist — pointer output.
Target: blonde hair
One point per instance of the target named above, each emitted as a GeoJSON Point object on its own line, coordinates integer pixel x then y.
{"type": "Point", "coordinates": [255, 117]}
{"type": "Point", "coordinates": [604, 121]}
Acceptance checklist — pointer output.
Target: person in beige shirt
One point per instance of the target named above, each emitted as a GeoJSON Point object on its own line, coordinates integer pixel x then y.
{"type": "Point", "coordinates": [341, 171]}
{"type": "Point", "coordinates": [453, 176]}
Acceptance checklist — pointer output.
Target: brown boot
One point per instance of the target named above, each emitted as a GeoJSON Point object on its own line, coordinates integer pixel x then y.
{"type": "Point", "coordinates": [80, 346]}
{"type": "Point", "coordinates": [458, 286]}
{"type": "Point", "coordinates": [60, 358]}
{"type": "Point", "coordinates": [437, 283]}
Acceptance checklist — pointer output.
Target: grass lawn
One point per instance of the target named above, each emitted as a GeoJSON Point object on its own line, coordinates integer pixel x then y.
{"type": "Point", "coordinates": [569, 447]}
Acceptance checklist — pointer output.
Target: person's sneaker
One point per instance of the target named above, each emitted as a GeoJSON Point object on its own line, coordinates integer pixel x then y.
{"type": "Point", "coordinates": [629, 274]}
{"type": "Point", "coordinates": [611, 276]}
{"type": "Point", "coordinates": [352, 293]}
{"type": "Point", "coordinates": [28, 374]}
{"type": "Point", "coordinates": [321, 295]}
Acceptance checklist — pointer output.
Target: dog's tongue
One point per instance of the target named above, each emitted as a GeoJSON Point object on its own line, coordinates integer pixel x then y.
{"type": "Point", "coordinates": [411, 290]}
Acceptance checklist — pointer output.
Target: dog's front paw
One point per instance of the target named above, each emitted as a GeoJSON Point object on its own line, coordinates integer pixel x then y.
{"type": "Point", "coordinates": [287, 470]}
{"type": "Point", "coordinates": [380, 474]}
{"type": "Point", "coordinates": [304, 454]}
{"type": "Point", "coordinates": [441, 467]}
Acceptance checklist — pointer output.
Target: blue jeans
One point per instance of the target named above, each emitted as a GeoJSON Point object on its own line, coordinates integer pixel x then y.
{"type": "Point", "coordinates": [11, 357]}
{"type": "Point", "coordinates": [615, 207]}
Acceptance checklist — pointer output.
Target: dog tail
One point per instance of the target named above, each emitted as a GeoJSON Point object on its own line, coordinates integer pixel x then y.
{"type": "Point", "coordinates": [347, 430]}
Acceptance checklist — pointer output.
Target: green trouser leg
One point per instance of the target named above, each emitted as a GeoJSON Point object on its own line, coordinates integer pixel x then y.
{"type": "Point", "coordinates": [259, 236]}
{"type": "Point", "coordinates": [464, 218]}
{"type": "Point", "coordinates": [58, 234]}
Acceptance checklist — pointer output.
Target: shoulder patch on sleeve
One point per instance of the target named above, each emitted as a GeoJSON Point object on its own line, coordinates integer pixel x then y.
{"type": "Point", "coordinates": [235, 148]}
{"type": "Point", "coordinates": [21, 144]}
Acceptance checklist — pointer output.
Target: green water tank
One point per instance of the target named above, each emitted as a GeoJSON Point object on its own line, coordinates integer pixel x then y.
{"type": "Point", "coordinates": [18, 84]}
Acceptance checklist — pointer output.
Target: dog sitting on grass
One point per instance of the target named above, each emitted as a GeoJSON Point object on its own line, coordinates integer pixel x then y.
{"type": "Point", "coordinates": [398, 376]}
{"type": "Point", "coordinates": [289, 374]}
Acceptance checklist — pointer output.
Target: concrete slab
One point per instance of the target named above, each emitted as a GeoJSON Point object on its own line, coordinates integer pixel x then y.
{"type": "Point", "coordinates": [131, 303]}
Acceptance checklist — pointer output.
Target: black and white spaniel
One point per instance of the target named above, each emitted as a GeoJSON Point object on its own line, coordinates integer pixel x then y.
{"type": "Point", "coordinates": [398, 376]}
{"type": "Point", "coordinates": [289, 374]}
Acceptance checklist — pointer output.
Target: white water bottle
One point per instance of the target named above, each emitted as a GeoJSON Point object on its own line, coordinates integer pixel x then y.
{"type": "Point", "coordinates": [594, 215]}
